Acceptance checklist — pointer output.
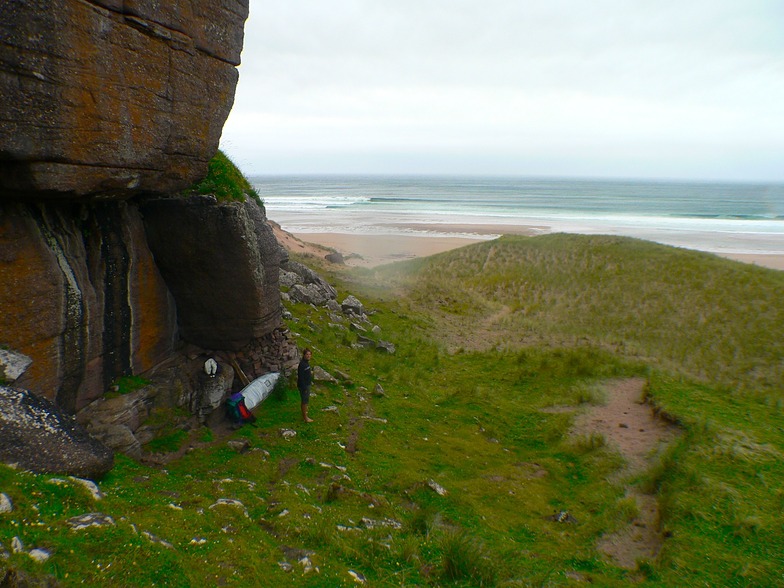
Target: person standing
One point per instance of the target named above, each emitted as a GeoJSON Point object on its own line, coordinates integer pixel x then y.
{"type": "Point", "coordinates": [304, 379]}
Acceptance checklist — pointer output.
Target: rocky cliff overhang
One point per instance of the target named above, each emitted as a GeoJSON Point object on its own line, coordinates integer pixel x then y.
{"type": "Point", "coordinates": [221, 262]}
{"type": "Point", "coordinates": [111, 98]}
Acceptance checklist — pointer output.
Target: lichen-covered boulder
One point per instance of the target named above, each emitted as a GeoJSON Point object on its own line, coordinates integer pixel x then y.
{"type": "Point", "coordinates": [35, 435]}
{"type": "Point", "coordinates": [306, 285]}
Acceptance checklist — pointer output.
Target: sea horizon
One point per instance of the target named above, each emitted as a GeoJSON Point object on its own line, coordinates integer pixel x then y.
{"type": "Point", "coordinates": [715, 216]}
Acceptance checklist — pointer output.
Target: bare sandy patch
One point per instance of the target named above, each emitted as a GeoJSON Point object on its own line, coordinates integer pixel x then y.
{"type": "Point", "coordinates": [631, 425]}
{"type": "Point", "coordinates": [771, 261]}
{"type": "Point", "coordinates": [367, 250]}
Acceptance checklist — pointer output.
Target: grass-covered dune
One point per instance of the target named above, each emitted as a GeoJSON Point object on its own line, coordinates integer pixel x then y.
{"type": "Point", "coordinates": [685, 311]}
{"type": "Point", "coordinates": [490, 338]}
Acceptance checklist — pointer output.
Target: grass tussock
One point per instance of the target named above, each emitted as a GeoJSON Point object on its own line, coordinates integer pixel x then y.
{"type": "Point", "coordinates": [464, 559]}
{"type": "Point", "coordinates": [225, 181]}
{"type": "Point", "coordinates": [543, 322]}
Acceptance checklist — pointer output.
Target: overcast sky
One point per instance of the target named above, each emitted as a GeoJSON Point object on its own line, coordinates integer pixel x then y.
{"type": "Point", "coordinates": [604, 88]}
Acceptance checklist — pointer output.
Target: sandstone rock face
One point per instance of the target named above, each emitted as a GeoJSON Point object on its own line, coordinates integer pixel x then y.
{"type": "Point", "coordinates": [35, 435]}
{"type": "Point", "coordinates": [113, 97]}
{"type": "Point", "coordinates": [221, 263]}
{"type": "Point", "coordinates": [81, 297]}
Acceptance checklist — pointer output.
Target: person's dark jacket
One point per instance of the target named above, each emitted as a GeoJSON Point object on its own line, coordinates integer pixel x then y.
{"type": "Point", "coordinates": [304, 375]}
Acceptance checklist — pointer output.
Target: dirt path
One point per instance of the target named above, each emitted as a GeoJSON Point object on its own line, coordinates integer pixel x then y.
{"type": "Point", "coordinates": [630, 424]}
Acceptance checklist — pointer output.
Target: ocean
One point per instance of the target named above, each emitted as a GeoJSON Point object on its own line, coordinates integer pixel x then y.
{"type": "Point", "coordinates": [728, 218]}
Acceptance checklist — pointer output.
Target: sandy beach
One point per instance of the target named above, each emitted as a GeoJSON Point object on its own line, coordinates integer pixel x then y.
{"type": "Point", "coordinates": [375, 250]}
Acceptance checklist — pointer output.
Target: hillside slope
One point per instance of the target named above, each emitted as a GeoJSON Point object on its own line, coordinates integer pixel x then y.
{"type": "Point", "coordinates": [455, 460]}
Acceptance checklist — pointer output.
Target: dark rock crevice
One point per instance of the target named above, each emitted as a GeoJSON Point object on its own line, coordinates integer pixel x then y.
{"type": "Point", "coordinates": [73, 338]}
{"type": "Point", "coordinates": [117, 293]}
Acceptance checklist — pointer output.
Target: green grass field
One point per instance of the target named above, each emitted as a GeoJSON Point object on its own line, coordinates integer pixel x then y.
{"type": "Point", "coordinates": [487, 337]}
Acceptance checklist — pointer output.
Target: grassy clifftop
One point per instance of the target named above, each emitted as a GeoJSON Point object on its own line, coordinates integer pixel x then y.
{"type": "Point", "coordinates": [500, 347]}
{"type": "Point", "coordinates": [225, 181]}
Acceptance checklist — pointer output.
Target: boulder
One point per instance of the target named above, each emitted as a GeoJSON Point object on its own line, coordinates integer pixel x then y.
{"type": "Point", "coordinates": [37, 436]}
{"type": "Point", "coordinates": [365, 342]}
{"type": "Point", "coordinates": [221, 262]}
{"type": "Point", "coordinates": [309, 294]}
{"type": "Point", "coordinates": [309, 287]}
{"type": "Point", "coordinates": [334, 307]}
{"type": "Point", "coordinates": [385, 346]}
{"type": "Point", "coordinates": [110, 98]}
{"type": "Point", "coordinates": [119, 438]}
{"type": "Point", "coordinates": [128, 410]}
{"type": "Point", "coordinates": [352, 307]}
{"type": "Point", "coordinates": [322, 375]}
{"type": "Point", "coordinates": [288, 279]}
{"type": "Point", "coordinates": [335, 257]}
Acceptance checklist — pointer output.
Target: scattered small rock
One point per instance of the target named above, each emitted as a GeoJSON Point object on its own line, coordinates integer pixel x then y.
{"type": "Point", "coordinates": [293, 553]}
{"type": "Point", "coordinates": [39, 555]}
{"type": "Point", "coordinates": [264, 453]}
{"type": "Point", "coordinates": [562, 516]}
{"type": "Point", "coordinates": [345, 529]}
{"type": "Point", "coordinates": [307, 565]}
{"type": "Point", "coordinates": [91, 486]}
{"type": "Point", "coordinates": [157, 540]}
{"type": "Point", "coordinates": [374, 523]}
{"type": "Point", "coordinates": [5, 503]}
{"type": "Point", "coordinates": [358, 578]}
{"type": "Point", "coordinates": [16, 545]}
{"type": "Point", "coordinates": [386, 346]}
{"type": "Point", "coordinates": [287, 433]}
{"type": "Point", "coordinates": [437, 488]}
{"type": "Point", "coordinates": [92, 519]}
{"type": "Point", "coordinates": [239, 445]}
{"type": "Point", "coordinates": [343, 376]}
{"type": "Point", "coordinates": [230, 502]}
{"type": "Point", "coordinates": [378, 391]}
